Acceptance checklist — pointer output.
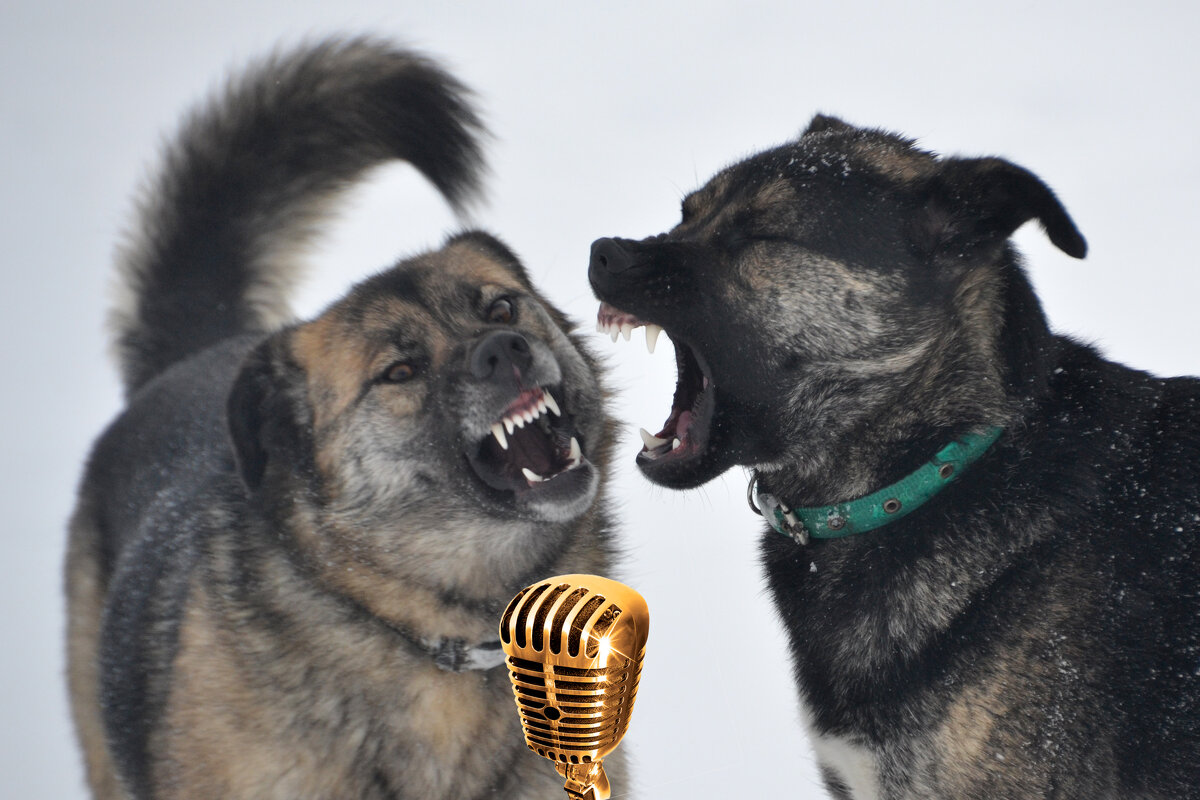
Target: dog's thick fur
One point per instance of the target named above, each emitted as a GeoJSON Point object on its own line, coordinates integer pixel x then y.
{"type": "Point", "coordinates": [296, 541]}
{"type": "Point", "coordinates": [842, 307]}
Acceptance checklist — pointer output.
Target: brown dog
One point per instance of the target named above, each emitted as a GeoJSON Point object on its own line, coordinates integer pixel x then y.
{"type": "Point", "coordinates": [292, 549]}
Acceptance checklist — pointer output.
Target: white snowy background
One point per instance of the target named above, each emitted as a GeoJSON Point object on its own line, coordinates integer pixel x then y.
{"type": "Point", "coordinates": [604, 115]}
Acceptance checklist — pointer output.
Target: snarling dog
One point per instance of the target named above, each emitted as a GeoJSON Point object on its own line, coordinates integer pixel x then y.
{"type": "Point", "coordinates": [989, 563]}
{"type": "Point", "coordinates": [292, 548]}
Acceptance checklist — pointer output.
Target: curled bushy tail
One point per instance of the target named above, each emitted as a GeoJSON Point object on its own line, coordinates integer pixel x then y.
{"type": "Point", "coordinates": [249, 177]}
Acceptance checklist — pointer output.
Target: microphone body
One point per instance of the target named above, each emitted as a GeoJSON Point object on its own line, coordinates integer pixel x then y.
{"type": "Point", "coordinates": [575, 645]}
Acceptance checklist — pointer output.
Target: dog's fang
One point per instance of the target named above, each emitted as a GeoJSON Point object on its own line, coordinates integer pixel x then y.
{"type": "Point", "coordinates": [576, 455]}
{"type": "Point", "coordinates": [675, 444]}
{"type": "Point", "coordinates": [651, 441]}
{"type": "Point", "coordinates": [532, 476]}
{"type": "Point", "coordinates": [552, 404]}
{"type": "Point", "coordinates": [498, 432]}
{"type": "Point", "coordinates": [652, 332]}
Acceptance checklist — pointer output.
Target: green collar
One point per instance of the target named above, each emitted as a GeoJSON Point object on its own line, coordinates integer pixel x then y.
{"type": "Point", "coordinates": [879, 508]}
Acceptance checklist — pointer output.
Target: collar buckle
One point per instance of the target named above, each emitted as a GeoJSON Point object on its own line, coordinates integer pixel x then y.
{"type": "Point", "coordinates": [781, 518]}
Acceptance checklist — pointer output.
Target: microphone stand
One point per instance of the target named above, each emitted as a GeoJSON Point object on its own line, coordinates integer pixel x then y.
{"type": "Point", "coordinates": [585, 781]}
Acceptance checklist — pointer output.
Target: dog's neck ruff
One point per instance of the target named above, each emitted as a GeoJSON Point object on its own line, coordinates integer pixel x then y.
{"type": "Point", "coordinates": [878, 508]}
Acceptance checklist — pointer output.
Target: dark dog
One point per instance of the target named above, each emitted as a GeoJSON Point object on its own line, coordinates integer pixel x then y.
{"type": "Point", "coordinates": [989, 570]}
{"type": "Point", "coordinates": [292, 549]}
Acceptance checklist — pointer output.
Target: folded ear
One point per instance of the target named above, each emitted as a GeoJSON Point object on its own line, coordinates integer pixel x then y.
{"type": "Point", "coordinates": [264, 419]}
{"type": "Point", "coordinates": [979, 202]}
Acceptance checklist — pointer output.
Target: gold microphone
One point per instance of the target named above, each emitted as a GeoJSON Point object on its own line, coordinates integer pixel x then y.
{"type": "Point", "coordinates": [575, 645]}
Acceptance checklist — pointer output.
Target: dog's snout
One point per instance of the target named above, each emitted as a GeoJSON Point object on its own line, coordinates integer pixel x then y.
{"type": "Point", "coordinates": [610, 255]}
{"type": "Point", "coordinates": [499, 348]}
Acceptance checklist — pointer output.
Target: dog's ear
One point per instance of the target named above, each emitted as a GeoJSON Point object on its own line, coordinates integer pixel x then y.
{"type": "Point", "coordinates": [976, 203]}
{"type": "Point", "coordinates": [262, 417]}
{"type": "Point", "coordinates": [824, 122]}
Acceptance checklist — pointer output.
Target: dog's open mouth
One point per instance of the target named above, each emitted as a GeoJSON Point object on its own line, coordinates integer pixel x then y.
{"type": "Point", "coordinates": [685, 435]}
{"type": "Point", "coordinates": [530, 447]}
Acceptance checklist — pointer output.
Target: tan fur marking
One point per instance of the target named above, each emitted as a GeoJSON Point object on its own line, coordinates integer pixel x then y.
{"type": "Point", "coordinates": [465, 261]}
{"type": "Point", "coordinates": [702, 201]}
{"type": "Point", "coordinates": [967, 730]}
{"type": "Point", "coordinates": [775, 193]}
{"type": "Point", "coordinates": [901, 164]}
{"type": "Point", "coordinates": [86, 601]}
{"type": "Point", "coordinates": [218, 740]}
{"type": "Point", "coordinates": [335, 362]}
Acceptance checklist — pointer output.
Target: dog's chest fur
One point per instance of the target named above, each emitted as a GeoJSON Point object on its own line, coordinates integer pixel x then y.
{"type": "Point", "coordinates": [428, 732]}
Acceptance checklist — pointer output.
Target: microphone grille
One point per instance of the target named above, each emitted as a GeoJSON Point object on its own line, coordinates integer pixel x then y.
{"type": "Point", "coordinates": [575, 645]}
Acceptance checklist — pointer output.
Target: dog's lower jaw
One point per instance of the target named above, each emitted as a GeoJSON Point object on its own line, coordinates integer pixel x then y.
{"type": "Point", "coordinates": [545, 502]}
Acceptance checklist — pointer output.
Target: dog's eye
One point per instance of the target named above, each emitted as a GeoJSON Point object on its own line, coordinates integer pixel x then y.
{"type": "Point", "coordinates": [399, 372]}
{"type": "Point", "coordinates": [501, 312]}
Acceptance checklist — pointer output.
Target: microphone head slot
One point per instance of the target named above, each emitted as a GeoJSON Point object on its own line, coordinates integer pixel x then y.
{"type": "Point", "coordinates": [506, 629]}
{"type": "Point", "coordinates": [560, 618]}
{"type": "Point", "coordinates": [580, 621]}
{"type": "Point", "coordinates": [523, 614]}
{"type": "Point", "coordinates": [543, 611]}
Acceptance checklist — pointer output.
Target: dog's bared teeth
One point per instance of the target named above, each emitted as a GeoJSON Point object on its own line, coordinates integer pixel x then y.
{"type": "Point", "coordinates": [576, 454]}
{"type": "Point", "coordinates": [498, 432]}
{"type": "Point", "coordinates": [652, 332]}
{"type": "Point", "coordinates": [509, 425]}
{"type": "Point", "coordinates": [651, 441]}
{"type": "Point", "coordinates": [529, 416]}
{"type": "Point", "coordinates": [626, 331]}
{"type": "Point", "coordinates": [532, 476]}
{"type": "Point", "coordinates": [675, 444]}
{"type": "Point", "coordinates": [614, 332]}
{"type": "Point", "coordinates": [552, 404]}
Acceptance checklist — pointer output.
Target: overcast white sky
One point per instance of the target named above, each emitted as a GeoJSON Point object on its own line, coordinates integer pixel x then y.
{"type": "Point", "coordinates": [604, 117]}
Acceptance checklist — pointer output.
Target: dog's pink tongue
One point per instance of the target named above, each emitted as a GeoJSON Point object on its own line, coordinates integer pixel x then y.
{"type": "Point", "coordinates": [682, 424]}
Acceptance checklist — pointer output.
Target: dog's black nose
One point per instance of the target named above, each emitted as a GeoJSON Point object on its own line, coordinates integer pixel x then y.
{"type": "Point", "coordinates": [610, 255]}
{"type": "Point", "coordinates": [499, 348]}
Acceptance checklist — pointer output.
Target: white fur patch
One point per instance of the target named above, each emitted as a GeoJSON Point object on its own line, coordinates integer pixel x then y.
{"type": "Point", "coordinates": [852, 764]}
